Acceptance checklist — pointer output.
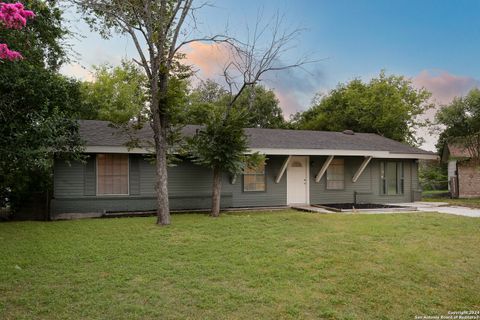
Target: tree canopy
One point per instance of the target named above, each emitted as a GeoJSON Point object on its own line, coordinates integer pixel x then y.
{"type": "Point", "coordinates": [37, 105]}
{"type": "Point", "coordinates": [12, 16]}
{"type": "Point", "coordinates": [259, 105]}
{"type": "Point", "coordinates": [386, 105]}
{"type": "Point", "coordinates": [117, 94]}
{"type": "Point", "coordinates": [461, 122]}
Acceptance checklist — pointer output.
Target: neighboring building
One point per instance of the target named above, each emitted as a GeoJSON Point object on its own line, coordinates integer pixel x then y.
{"type": "Point", "coordinates": [463, 174]}
{"type": "Point", "coordinates": [302, 167]}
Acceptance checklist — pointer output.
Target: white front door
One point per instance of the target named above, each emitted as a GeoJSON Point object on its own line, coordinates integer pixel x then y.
{"type": "Point", "coordinates": [297, 180]}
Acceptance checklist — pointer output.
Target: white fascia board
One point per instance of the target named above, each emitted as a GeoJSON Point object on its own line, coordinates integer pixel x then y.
{"type": "Point", "coordinates": [277, 151]}
{"type": "Point", "coordinates": [420, 156]}
{"type": "Point", "coordinates": [116, 149]}
{"type": "Point", "coordinates": [331, 152]}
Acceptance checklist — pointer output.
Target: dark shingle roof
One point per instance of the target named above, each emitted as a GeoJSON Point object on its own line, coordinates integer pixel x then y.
{"type": "Point", "coordinates": [100, 133]}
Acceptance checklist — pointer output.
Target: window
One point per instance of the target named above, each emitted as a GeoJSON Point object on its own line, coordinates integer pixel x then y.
{"type": "Point", "coordinates": [336, 175]}
{"type": "Point", "coordinates": [112, 174]}
{"type": "Point", "coordinates": [254, 178]}
{"type": "Point", "coordinates": [391, 178]}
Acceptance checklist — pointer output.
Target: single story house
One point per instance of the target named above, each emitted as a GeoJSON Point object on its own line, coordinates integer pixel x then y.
{"type": "Point", "coordinates": [302, 167]}
{"type": "Point", "coordinates": [463, 174]}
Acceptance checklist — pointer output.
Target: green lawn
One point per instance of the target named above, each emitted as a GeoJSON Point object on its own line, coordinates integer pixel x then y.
{"type": "Point", "coordinates": [268, 265]}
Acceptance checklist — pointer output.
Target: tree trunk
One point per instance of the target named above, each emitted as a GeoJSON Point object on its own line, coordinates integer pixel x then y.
{"type": "Point", "coordinates": [216, 191]}
{"type": "Point", "coordinates": [161, 183]}
{"type": "Point", "coordinates": [159, 127]}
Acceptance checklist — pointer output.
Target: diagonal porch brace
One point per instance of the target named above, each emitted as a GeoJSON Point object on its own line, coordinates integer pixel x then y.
{"type": "Point", "coordinates": [323, 169]}
{"type": "Point", "coordinates": [360, 170]}
{"type": "Point", "coordinates": [282, 169]}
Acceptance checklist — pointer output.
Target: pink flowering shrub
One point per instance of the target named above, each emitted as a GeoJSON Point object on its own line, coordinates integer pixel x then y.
{"type": "Point", "coordinates": [13, 16]}
{"type": "Point", "coordinates": [7, 54]}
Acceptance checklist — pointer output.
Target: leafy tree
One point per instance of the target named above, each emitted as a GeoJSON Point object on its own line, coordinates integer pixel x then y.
{"type": "Point", "coordinates": [461, 120]}
{"type": "Point", "coordinates": [386, 105]}
{"type": "Point", "coordinates": [37, 105]}
{"type": "Point", "coordinates": [117, 94]}
{"type": "Point", "coordinates": [221, 144]}
{"type": "Point", "coordinates": [260, 105]}
{"type": "Point", "coordinates": [262, 108]}
{"type": "Point", "coordinates": [433, 176]}
{"type": "Point", "coordinates": [12, 16]}
{"type": "Point", "coordinates": [158, 31]}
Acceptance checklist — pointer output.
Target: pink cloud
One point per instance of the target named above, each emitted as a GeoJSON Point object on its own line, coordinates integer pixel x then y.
{"type": "Point", "coordinates": [293, 90]}
{"type": "Point", "coordinates": [289, 102]}
{"type": "Point", "coordinates": [444, 86]}
{"type": "Point", "coordinates": [208, 59]}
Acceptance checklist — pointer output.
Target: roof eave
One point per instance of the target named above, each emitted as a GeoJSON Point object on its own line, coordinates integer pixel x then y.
{"type": "Point", "coordinates": [278, 151]}
{"type": "Point", "coordinates": [334, 152]}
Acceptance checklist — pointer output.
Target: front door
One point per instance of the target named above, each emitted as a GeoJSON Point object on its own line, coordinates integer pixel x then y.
{"type": "Point", "coordinates": [297, 180]}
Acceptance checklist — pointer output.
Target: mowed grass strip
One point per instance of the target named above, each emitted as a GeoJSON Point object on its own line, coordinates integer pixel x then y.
{"type": "Point", "coordinates": [469, 202]}
{"type": "Point", "coordinates": [252, 265]}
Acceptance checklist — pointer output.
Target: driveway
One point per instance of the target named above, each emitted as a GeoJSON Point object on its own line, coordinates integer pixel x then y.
{"type": "Point", "coordinates": [442, 207]}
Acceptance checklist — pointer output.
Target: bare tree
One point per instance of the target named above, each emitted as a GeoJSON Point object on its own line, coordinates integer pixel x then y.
{"type": "Point", "coordinates": [158, 29]}
{"type": "Point", "coordinates": [262, 52]}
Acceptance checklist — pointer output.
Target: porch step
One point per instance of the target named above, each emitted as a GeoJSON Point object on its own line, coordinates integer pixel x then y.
{"type": "Point", "coordinates": [307, 208]}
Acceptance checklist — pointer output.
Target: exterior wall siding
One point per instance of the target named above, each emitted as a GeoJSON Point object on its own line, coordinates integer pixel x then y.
{"type": "Point", "coordinates": [274, 195]}
{"type": "Point", "coordinates": [367, 185]}
{"type": "Point", "coordinates": [190, 186]}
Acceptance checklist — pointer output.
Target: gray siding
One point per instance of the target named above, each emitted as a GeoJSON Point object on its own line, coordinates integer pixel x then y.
{"type": "Point", "coordinates": [275, 194]}
{"type": "Point", "coordinates": [134, 177]}
{"type": "Point", "coordinates": [368, 184]}
{"type": "Point", "coordinates": [69, 179]}
{"type": "Point", "coordinates": [190, 186]}
{"type": "Point", "coordinates": [90, 176]}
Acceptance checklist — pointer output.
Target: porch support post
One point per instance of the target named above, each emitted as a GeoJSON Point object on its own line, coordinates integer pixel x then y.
{"type": "Point", "coordinates": [360, 170]}
{"type": "Point", "coordinates": [282, 170]}
{"type": "Point", "coordinates": [323, 169]}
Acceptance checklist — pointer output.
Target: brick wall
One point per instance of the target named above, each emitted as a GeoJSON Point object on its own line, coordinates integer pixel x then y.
{"type": "Point", "coordinates": [468, 180]}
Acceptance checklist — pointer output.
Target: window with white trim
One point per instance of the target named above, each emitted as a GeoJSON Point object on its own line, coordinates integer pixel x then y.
{"type": "Point", "coordinates": [391, 178]}
{"type": "Point", "coordinates": [112, 174]}
{"type": "Point", "coordinates": [254, 178]}
{"type": "Point", "coordinates": [336, 175]}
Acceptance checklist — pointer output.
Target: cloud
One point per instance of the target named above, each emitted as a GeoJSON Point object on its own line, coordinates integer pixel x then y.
{"type": "Point", "coordinates": [208, 59]}
{"type": "Point", "coordinates": [443, 85]}
{"type": "Point", "coordinates": [77, 71]}
{"type": "Point", "coordinates": [294, 87]}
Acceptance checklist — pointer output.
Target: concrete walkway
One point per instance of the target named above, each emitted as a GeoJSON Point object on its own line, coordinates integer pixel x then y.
{"type": "Point", "coordinates": [442, 207]}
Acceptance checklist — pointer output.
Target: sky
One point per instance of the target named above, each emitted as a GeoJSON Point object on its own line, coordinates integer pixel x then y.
{"type": "Point", "coordinates": [434, 43]}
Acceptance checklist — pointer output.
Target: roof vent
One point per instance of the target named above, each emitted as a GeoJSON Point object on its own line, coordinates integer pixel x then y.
{"type": "Point", "coordinates": [349, 132]}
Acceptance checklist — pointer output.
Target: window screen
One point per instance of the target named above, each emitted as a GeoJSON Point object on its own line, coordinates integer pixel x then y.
{"type": "Point", "coordinates": [112, 174]}
{"type": "Point", "coordinates": [392, 178]}
{"type": "Point", "coordinates": [336, 175]}
{"type": "Point", "coordinates": [254, 178]}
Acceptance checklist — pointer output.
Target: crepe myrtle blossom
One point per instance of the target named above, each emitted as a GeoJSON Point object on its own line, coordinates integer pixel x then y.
{"type": "Point", "coordinates": [13, 16]}
{"type": "Point", "coordinates": [7, 54]}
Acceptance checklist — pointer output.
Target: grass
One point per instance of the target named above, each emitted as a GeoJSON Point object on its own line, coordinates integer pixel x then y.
{"type": "Point", "coordinates": [442, 196]}
{"type": "Point", "coordinates": [471, 203]}
{"type": "Point", "coordinates": [264, 265]}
